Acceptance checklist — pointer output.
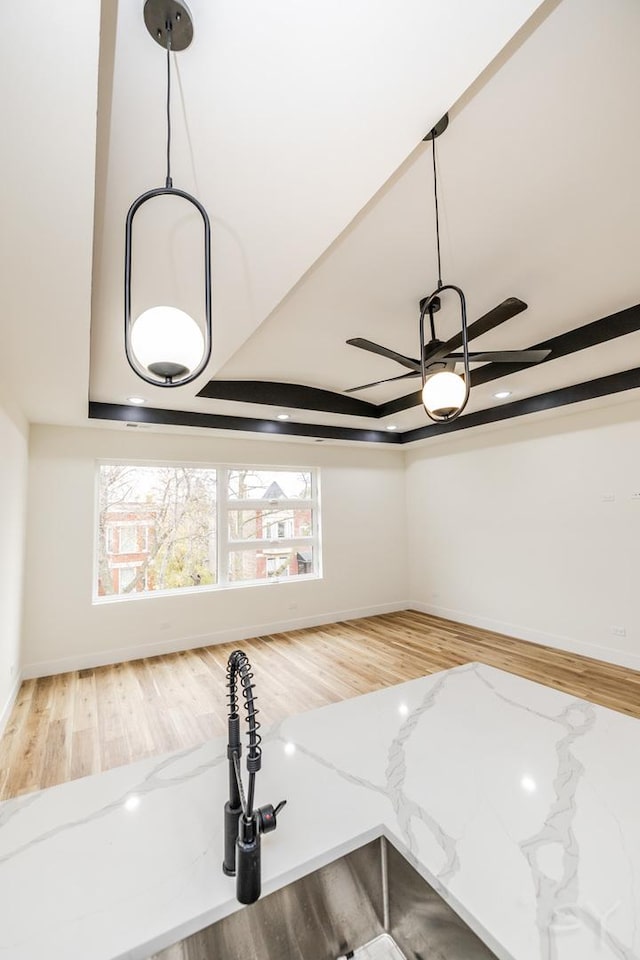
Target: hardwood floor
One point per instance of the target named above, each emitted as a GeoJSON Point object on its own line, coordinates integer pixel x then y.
{"type": "Point", "coordinates": [87, 721]}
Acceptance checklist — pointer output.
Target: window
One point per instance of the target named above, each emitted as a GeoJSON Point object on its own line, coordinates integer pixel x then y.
{"type": "Point", "coordinates": [176, 506]}
{"type": "Point", "coordinates": [266, 524]}
{"type": "Point", "coordinates": [127, 577]}
{"type": "Point", "coordinates": [128, 539]}
{"type": "Point", "coordinates": [143, 542]}
{"type": "Point", "coordinates": [166, 528]}
{"type": "Point", "coordinates": [111, 538]}
{"type": "Point", "coordinates": [265, 507]}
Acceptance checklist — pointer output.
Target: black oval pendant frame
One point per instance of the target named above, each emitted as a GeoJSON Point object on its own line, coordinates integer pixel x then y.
{"type": "Point", "coordinates": [128, 257]}
{"type": "Point", "coordinates": [424, 308]}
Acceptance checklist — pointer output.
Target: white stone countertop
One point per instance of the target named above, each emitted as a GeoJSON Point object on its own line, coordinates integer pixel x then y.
{"type": "Point", "coordinates": [520, 804]}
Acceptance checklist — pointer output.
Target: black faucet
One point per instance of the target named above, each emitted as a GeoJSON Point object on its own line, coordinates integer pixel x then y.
{"type": "Point", "coordinates": [242, 824]}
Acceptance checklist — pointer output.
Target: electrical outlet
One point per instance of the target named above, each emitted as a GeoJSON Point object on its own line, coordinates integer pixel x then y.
{"type": "Point", "coordinates": [619, 631]}
{"type": "Point", "coordinates": [608, 497]}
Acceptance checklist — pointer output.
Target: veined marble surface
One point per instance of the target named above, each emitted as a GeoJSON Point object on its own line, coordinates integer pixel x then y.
{"type": "Point", "coordinates": [520, 804]}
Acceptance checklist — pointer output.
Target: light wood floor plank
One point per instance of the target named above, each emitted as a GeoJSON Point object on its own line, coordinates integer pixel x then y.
{"type": "Point", "coordinates": [85, 753]}
{"type": "Point", "coordinates": [87, 721]}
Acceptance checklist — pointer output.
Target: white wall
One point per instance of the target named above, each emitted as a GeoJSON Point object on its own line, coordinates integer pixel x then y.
{"type": "Point", "coordinates": [13, 501]}
{"type": "Point", "coordinates": [363, 539]}
{"type": "Point", "coordinates": [509, 530]}
{"type": "Point", "coordinates": [504, 528]}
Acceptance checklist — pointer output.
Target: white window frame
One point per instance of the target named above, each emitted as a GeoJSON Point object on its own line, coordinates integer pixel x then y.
{"type": "Point", "coordinates": [126, 566]}
{"type": "Point", "coordinates": [111, 538]}
{"type": "Point", "coordinates": [225, 504]}
{"type": "Point", "coordinates": [145, 537]}
{"type": "Point", "coordinates": [128, 525]}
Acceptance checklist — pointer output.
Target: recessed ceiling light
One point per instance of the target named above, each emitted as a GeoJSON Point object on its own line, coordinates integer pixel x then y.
{"type": "Point", "coordinates": [283, 416]}
{"type": "Point", "coordinates": [392, 426]}
{"type": "Point", "coordinates": [502, 394]}
{"type": "Point", "coordinates": [137, 400]}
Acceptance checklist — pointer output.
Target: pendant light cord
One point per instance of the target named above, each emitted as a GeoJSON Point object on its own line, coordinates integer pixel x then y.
{"type": "Point", "coordinates": [169, 182]}
{"type": "Point", "coordinates": [435, 196]}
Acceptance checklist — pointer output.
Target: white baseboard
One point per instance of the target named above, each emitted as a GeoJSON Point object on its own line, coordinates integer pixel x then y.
{"type": "Point", "coordinates": [609, 654]}
{"type": "Point", "coordinates": [8, 707]}
{"type": "Point", "coordinates": [84, 661]}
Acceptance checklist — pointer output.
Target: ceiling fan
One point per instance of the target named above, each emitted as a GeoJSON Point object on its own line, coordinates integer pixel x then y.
{"type": "Point", "coordinates": [444, 393]}
{"type": "Point", "coordinates": [439, 356]}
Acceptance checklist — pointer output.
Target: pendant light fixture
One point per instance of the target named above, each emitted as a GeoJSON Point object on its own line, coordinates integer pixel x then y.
{"type": "Point", "coordinates": [165, 346]}
{"type": "Point", "coordinates": [444, 394]}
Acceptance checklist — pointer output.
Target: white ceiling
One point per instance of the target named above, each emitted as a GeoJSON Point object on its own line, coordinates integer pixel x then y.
{"type": "Point", "coordinates": [49, 80]}
{"type": "Point", "coordinates": [288, 119]}
{"type": "Point", "coordinates": [296, 127]}
{"type": "Point", "coordinates": [539, 200]}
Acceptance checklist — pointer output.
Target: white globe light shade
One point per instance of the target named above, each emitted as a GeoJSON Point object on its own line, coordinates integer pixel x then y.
{"type": "Point", "coordinates": [443, 394]}
{"type": "Point", "coordinates": [167, 341]}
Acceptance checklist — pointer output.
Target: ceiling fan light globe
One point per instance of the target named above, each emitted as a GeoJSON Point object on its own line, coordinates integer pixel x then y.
{"type": "Point", "coordinates": [167, 342]}
{"type": "Point", "coordinates": [443, 394]}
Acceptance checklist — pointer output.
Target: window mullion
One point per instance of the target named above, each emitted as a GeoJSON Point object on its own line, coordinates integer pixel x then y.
{"type": "Point", "coordinates": [267, 505]}
{"type": "Point", "coordinates": [284, 542]}
{"type": "Point", "coordinates": [222, 526]}
{"type": "Point", "coordinates": [315, 521]}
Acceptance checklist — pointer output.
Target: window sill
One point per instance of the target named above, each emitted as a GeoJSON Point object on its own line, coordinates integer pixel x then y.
{"type": "Point", "coordinates": [209, 588]}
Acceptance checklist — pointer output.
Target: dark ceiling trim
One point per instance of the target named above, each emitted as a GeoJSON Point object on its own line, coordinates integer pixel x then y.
{"type": "Point", "coordinates": [401, 403]}
{"type": "Point", "coordinates": [295, 395]}
{"type": "Point", "coordinates": [214, 421]}
{"type": "Point", "coordinates": [599, 331]}
{"type": "Point", "coordinates": [298, 396]}
{"type": "Point", "coordinates": [589, 390]}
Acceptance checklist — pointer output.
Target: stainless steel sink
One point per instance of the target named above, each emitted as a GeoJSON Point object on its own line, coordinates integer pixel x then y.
{"type": "Point", "coordinates": [336, 910]}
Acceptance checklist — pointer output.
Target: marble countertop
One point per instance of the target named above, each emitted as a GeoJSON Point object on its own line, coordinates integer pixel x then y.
{"type": "Point", "coordinates": [520, 804]}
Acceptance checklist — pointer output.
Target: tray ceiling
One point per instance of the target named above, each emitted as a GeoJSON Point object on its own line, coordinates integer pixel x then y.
{"type": "Point", "coordinates": [538, 201]}
{"type": "Point", "coordinates": [301, 133]}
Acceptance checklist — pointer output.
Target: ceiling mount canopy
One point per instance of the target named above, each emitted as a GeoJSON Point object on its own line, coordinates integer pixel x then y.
{"type": "Point", "coordinates": [439, 128]}
{"type": "Point", "coordinates": [164, 17]}
{"type": "Point", "coordinates": [165, 346]}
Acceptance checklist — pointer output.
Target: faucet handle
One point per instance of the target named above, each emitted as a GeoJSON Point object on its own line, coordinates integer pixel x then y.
{"type": "Point", "coordinates": [268, 816]}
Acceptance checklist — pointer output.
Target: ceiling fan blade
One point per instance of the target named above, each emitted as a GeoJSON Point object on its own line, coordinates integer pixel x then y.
{"type": "Point", "coordinates": [376, 383]}
{"type": "Point", "coordinates": [385, 352]}
{"type": "Point", "coordinates": [503, 356]}
{"type": "Point", "coordinates": [504, 311]}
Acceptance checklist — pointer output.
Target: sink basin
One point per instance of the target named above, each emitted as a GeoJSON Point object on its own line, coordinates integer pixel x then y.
{"type": "Point", "coordinates": [369, 904]}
